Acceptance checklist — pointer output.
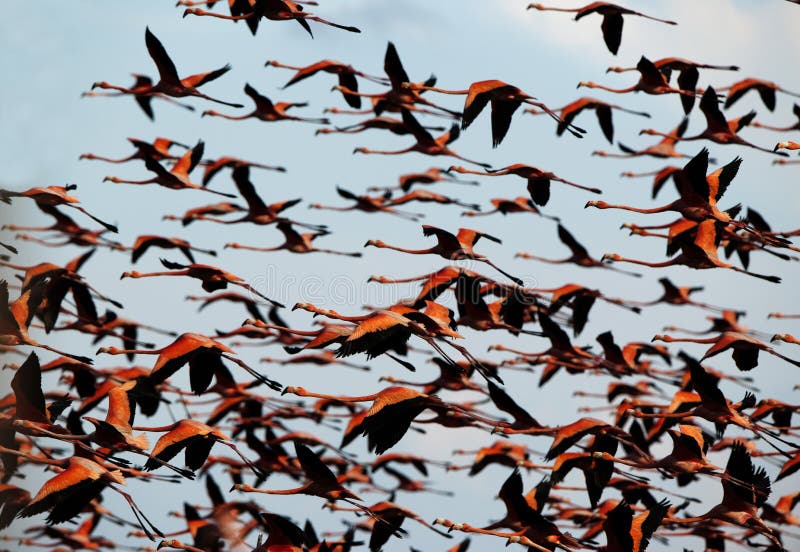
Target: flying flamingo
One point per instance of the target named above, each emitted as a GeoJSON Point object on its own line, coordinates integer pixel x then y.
{"type": "Point", "coordinates": [688, 77]}
{"type": "Point", "coordinates": [426, 143]}
{"type": "Point", "coordinates": [580, 256]}
{"type": "Point", "coordinates": [712, 406]}
{"type": "Point", "coordinates": [787, 128]}
{"type": "Point", "coordinates": [53, 196]}
{"type": "Point", "coordinates": [718, 128]}
{"type": "Point", "coordinates": [213, 278]}
{"type": "Point", "coordinates": [322, 481]}
{"type": "Point", "coordinates": [203, 213]}
{"type": "Point", "coordinates": [450, 246]}
{"type": "Point", "coordinates": [141, 91]}
{"type": "Point", "coordinates": [399, 96]}
{"type": "Point", "coordinates": [538, 180]}
{"type": "Point", "coordinates": [698, 193]}
{"type": "Point", "coordinates": [505, 206]}
{"type": "Point", "coordinates": [390, 416]}
{"type": "Point", "coordinates": [651, 81]}
{"type": "Point", "coordinates": [426, 196]}
{"type": "Point", "coordinates": [745, 348]}
{"type": "Point", "coordinates": [295, 242]}
{"type": "Point", "coordinates": [700, 253]}
{"type": "Point", "coordinates": [258, 212]}
{"type": "Point", "coordinates": [664, 149]}
{"type": "Point", "coordinates": [196, 438]}
{"type": "Point", "coordinates": [612, 19]}
{"type": "Point", "coordinates": [345, 73]}
{"type": "Point", "coordinates": [386, 329]}
{"type": "Point", "coordinates": [740, 503]}
{"type": "Point", "coordinates": [392, 124]}
{"type": "Point", "coordinates": [15, 318]}
{"type": "Point", "coordinates": [266, 110]}
{"type": "Point", "coordinates": [367, 204]}
{"type": "Point", "coordinates": [677, 295]}
{"type": "Point", "coordinates": [158, 150]}
{"type": "Point", "coordinates": [274, 10]}
{"type": "Point", "coordinates": [211, 167]}
{"type": "Point", "coordinates": [144, 242]}
{"type": "Point", "coordinates": [169, 83]}
{"type": "Point", "coordinates": [176, 178]}
{"type": "Point", "coordinates": [505, 100]}
{"type": "Point", "coordinates": [203, 355]}
{"type": "Point", "coordinates": [766, 90]}
{"type": "Point", "coordinates": [602, 109]}
{"type": "Point", "coordinates": [66, 494]}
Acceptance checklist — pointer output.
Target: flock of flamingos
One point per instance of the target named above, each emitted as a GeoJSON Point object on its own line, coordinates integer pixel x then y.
{"type": "Point", "coordinates": [666, 410]}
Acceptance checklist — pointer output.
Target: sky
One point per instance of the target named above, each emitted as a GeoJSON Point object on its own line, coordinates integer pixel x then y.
{"type": "Point", "coordinates": [55, 53]}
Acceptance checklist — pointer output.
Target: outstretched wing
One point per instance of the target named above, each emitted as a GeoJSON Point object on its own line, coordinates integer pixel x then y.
{"type": "Point", "coordinates": [612, 31]}
{"type": "Point", "coordinates": [415, 128]}
{"type": "Point", "coordinates": [241, 177]}
{"type": "Point", "coordinates": [262, 102]}
{"type": "Point", "coordinates": [568, 240]}
{"type": "Point", "coordinates": [166, 69]}
{"type": "Point", "coordinates": [200, 79]}
{"type": "Point", "coordinates": [393, 67]}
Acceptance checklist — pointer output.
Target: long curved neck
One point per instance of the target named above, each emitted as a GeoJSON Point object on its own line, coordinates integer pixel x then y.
{"type": "Point", "coordinates": [214, 219]}
{"type": "Point", "coordinates": [333, 314]}
{"type": "Point", "coordinates": [296, 490]}
{"type": "Point", "coordinates": [637, 175]}
{"type": "Point", "coordinates": [670, 339]}
{"type": "Point", "coordinates": [284, 66]}
{"type": "Point", "coordinates": [362, 398]}
{"type": "Point", "coordinates": [108, 159]}
{"type": "Point", "coordinates": [31, 457]}
{"type": "Point", "coordinates": [107, 86]}
{"type": "Point", "coordinates": [409, 251]}
{"type": "Point", "coordinates": [148, 181]}
{"type": "Point", "coordinates": [29, 228]}
{"type": "Point", "coordinates": [464, 170]}
{"type": "Point", "coordinates": [539, 7]}
{"type": "Point", "coordinates": [26, 237]}
{"type": "Point", "coordinates": [307, 333]}
{"type": "Point", "coordinates": [158, 429]}
{"type": "Point", "coordinates": [542, 259]}
{"type": "Point", "coordinates": [204, 13]}
{"type": "Point", "coordinates": [387, 152]}
{"type": "Point", "coordinates": [331, 208]}
{"type": "Point", "coordinates": [254, 248]}
{"type": "Point", "coordinates": [230, 117]}
{"type": "Point", "coordinates": [420, 88]}
{"type": "Point", "coordinates": [645, 211]}
{"type": "Point", "coordinates": [133, 351]}
{"type": "Point", "coordinates": [164, 273]}
{"type": "Point", "coordinates": [383, 280]}
{"type": "Point", "coordinates": [617, 155]}
{"type": "Point", "coordinates": [670, 262]}
{"type": "Point", "coordinates": [614, 90]}
{"type": "Point", "coordinates": [775, 128]}
{"type": "Point", "coordinates": [684, 414]}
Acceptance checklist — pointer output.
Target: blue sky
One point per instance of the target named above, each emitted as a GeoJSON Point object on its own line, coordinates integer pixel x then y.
{"type": "Point", "coordinates": [56, 52]}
